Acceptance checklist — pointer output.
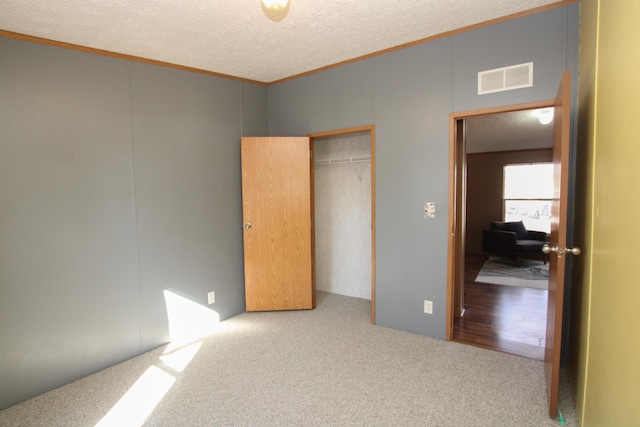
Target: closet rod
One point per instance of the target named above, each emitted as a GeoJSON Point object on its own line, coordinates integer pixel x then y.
{"type": "Point", "coordinates": [344, 160]}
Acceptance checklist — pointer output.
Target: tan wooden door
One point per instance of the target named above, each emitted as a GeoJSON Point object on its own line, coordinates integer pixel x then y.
{"type": "Point", "coordinates": [558, 242]}
{"type": "Point", "coordinates": [277, 219]}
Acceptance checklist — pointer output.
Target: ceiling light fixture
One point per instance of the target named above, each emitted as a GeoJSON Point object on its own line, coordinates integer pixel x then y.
{"type": "Point", "coordinates": [275, 10]}
{"type": "Point", "coordinates": [545, 116]}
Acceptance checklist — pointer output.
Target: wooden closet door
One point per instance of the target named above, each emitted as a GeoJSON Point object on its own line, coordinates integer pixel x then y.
{"type": "Point", "coordinates": [277, 221]}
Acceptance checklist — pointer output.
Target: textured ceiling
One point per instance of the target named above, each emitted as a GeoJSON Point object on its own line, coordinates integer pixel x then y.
{"type": "Point", "coordinates": [512, 131]}
{"type": "Point", "coordinates": [235, 37]}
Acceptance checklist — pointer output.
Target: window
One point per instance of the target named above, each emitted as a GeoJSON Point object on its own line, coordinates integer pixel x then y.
{"type": "Point", "coordinates": [527, 195]}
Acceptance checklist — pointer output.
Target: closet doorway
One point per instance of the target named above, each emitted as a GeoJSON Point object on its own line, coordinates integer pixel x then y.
{"type": "Point", "coordinates": [344, 206]}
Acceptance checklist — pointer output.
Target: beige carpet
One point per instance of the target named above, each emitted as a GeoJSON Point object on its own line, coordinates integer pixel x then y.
{"type": "Point", "coordinates": [326, 367]}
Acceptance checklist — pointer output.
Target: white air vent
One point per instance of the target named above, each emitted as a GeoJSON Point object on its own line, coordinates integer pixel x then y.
{"type": "Point", "coordinates": [507, 78]}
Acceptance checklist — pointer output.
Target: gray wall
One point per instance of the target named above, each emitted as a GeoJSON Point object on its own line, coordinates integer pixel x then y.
{"type": "Point", "coordinates": [118, 180]}
{"type": "Point", "coordinates": [408, 95]}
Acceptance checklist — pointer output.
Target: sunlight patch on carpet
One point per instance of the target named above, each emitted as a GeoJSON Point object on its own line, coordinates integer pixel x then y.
{"type": "Point", "coordinates": [140, 401]}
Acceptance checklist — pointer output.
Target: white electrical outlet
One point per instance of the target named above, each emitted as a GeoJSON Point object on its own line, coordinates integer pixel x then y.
{"type": "Point", "coordinates": [211, 297]}
{"type": "Point", "coordinates": [428, 306]}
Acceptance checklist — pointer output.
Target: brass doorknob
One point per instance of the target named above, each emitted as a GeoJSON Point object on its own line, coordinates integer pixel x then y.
{"type": "Point", "coordinates": [546, 249]}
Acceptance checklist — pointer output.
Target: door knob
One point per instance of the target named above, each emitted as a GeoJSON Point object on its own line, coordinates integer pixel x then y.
{"type": "Point", "coordinates": [247, 225]}
{"type": "Point", "coordinates": [546, 249]}
{"type": "Point", "coordinates": [574, 251]}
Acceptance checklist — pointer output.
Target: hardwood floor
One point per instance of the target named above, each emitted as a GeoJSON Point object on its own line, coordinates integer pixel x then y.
{"type": "Point", "coordinates": [510, 319]}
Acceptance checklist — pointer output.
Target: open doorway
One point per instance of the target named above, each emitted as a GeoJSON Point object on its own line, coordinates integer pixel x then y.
{"type": "Point", "coordinates": [507, 315]}
{"type": "Point", "coordinates": [344, 205]}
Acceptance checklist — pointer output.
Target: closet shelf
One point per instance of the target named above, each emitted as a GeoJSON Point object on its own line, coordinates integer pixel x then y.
{"type": "Point", "coordinates": [344, 160]}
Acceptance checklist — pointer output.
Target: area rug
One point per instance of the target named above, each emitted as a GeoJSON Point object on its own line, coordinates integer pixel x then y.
{"type": "Point", "coordinates": [503, 271]}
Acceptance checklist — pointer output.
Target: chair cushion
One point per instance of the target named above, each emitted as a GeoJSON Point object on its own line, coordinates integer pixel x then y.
{"type": "Point", "coordinates": [518, 228]}
{"type": "Point", "coordinates": [529, 245]}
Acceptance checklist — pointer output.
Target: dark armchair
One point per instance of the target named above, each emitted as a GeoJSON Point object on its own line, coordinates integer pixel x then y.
{"type": "Point", "coordinates": [512, 239]}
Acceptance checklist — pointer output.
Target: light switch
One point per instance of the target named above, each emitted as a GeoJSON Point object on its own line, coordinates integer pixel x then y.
{"type": "Point", "coordinates": [429, 210]}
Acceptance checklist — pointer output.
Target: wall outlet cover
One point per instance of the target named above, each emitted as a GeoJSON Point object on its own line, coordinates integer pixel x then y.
{"type": "Point", "coordinates": [428, 306]}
